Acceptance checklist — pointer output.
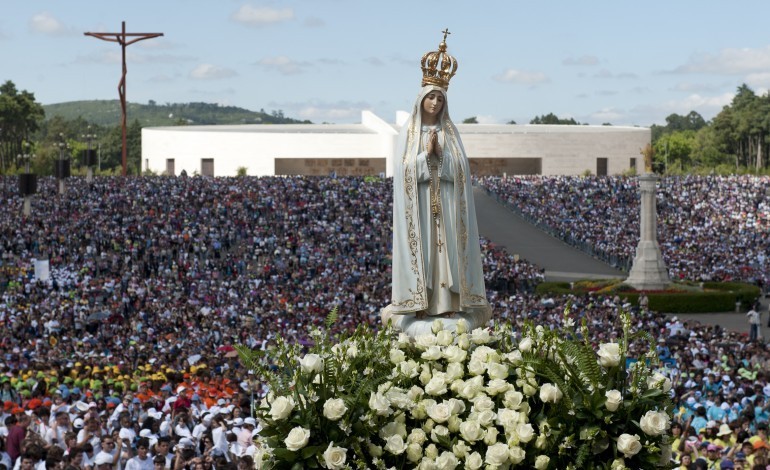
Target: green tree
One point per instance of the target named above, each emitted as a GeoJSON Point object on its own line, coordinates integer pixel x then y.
{"type": "Point", "coordinates": [551, 118]}
{"type": "Point", "coordinates": [675, 148]}
{"type": "Point", "coordinates": [20, 117]}
{"type": "Point", "coordinates": [471, 120]}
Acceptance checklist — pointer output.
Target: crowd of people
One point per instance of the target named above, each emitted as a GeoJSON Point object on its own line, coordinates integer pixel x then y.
{"type": "Point", "coordinates": [709, 227]}
{"type": "Point", "coordinates": [154, 280]}
{"type": "Point", "coordinates": [125, 356]}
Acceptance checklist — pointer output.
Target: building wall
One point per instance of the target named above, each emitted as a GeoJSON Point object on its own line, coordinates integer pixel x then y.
{"type": "Point", "coordinates": [560, 150]}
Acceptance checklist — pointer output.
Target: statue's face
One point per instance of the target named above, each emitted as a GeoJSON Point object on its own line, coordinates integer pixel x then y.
{"type": "Point", "coordinates": [433, 103]}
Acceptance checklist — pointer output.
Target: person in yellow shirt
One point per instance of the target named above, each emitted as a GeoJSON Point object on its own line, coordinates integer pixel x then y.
{"type": "Point", "coordinates": [725, 437]}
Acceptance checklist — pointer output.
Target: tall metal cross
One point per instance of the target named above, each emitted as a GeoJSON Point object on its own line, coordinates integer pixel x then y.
{"type": "Point", "coordinates": [122, 38]}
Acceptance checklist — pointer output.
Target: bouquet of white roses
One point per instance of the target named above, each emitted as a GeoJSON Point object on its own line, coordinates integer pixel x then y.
{"type": "Point", "coordinates": [467, 399]}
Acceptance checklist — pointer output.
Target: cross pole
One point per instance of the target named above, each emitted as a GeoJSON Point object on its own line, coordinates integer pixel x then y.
{"type": "Point", "coordinates": [124, 39]}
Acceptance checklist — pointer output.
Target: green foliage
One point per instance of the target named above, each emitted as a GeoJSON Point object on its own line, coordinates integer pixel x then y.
{"type": "Point", "coordinates": [551, 118]}
{"type": "Point", "coordinates": [470, 120]}
{"type": "Point", "coordinates": [241, 171]}
{"type": "Point", "coordinates": [680, 298]}
{"type": "Point", "coordinates": [20, 117]}
{"type": "Point", "coordinates": [107, 113]}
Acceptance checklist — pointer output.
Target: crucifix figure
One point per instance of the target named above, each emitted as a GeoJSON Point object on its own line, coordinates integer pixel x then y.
{"type": "Point", "coordinates": [122, 38]}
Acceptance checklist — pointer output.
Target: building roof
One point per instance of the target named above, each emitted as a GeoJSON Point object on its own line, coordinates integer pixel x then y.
{"type": "Point", "coordinates": [274, 128]}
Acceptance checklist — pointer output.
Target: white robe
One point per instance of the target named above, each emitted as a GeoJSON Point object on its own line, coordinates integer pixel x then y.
{"type": "Point", "coordinates": [424, 278]}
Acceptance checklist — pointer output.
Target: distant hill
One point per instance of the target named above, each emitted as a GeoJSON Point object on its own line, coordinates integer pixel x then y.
{"type": "Point", "coordinates": [107, 113]}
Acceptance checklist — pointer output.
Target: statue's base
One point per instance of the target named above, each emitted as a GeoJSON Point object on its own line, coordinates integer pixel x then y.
{"type": "Point", "coordinates": [649, 271]}
{"type": "Point", "coordinates": [413, 326]}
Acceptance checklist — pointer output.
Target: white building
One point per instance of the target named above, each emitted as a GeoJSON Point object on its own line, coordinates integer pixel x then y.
{"type": "Point", "coordinates": [366, 148]}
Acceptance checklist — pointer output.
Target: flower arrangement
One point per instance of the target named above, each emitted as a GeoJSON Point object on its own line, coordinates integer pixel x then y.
{"type": "Point", "coordinates": [462, 400]}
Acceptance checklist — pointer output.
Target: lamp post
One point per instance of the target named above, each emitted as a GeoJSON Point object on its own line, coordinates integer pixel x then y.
{"type": "Point", "coordinates": [27, 182]}
{"type": "Point", "coordinates": [90, 158]}
{"type": "Point", "coordinates": [62, 164]}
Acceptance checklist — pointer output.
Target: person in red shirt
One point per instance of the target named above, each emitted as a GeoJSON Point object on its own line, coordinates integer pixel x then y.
{"type": "Point", "coordinates": [16, 434]}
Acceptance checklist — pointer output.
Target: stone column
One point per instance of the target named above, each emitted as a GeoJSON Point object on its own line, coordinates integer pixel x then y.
{"type": "Point", "coordinates": [649, 270]}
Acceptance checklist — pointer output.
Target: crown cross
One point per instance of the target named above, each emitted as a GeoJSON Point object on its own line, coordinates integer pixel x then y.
{"type": "Point", "coordinates": [438, 67]}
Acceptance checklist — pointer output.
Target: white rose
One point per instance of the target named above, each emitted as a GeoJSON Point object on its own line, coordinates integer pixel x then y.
{"type": "Point", "coordinates": [431, 451]}
{"type": "Point", "coordinates": [334, 409]}
{"type": "Point", "coordinates": [433, 353]}
{"type": "Point", "coordinates": [471, 431]}
{"type": "Point", "coordinates": [609, 354]}
{"type": "Point", "coordinates": [403, 340]}
{"type": "Point", "coordinates": [436, 386]}
{"type": "Point", "coordinates": [614, 399]}
{"type": "Point", "coordinates": [379, 404]}
{"type": "Point", "coordinates": [281, 408]}
{"type": "Point", "coordinates": [474, 461]}
{"type": "Point", "coordinates": [618, 464]}
{"type": "Point", "coordinates": [525, 345]}
{"type": "Point", "coordinates": [438, 433]}
{"type": "Point", "coordinates": [444, 338]}
{"type": "Point", "coordinates": [455, 354]}
{"type": "Point", "coordinates": [480, 336]}
{"type": "Point", "coordinates": [417, 436]}
{"type": "Point", "coordinates": [447, 460]}
{"type": "Point", "coordinates": [516, 455]}
{"type": "Point", "coordinates": [471, 387]}
{"type": "Point", "coordinates": [541, 441]}
{"type": "Point", "coordinates": [352, 351]}
{"type": "Point", "coordinates": [515, 357]}
{"type": "Point", "coordinates": [550, 393]}
{"type": "Point", "coordinates": [460, 449]}
{"type": "Point", "coordinates": [453, 423]}
{"type": "Point", "coordinates": [334, 457]}
{"type": "Point", "coordinates": [497, 454]}
{"type": "Point", "coordinates": [414, 452]}
{"type": "Point", "coordinates": [512, 399]}
{"type": "Point", "coordinates": [297, 438]}
{"type": "Point", "coordinates": [528, 389]}
{"type": "Point", "coordinates": [482, 403]}
{"type": "Point", "coordinates": [629, 445]}
{"type": "Point", "coordinates": [507, 418]}
{"type": "Point", "coordinates": [455, 406]}
{"type": "Point", "coordinates": [658, 380]}
{"type": "Point", "coordinates": [498, 386]}
{"type": "Point", "coordinates": [437, 326]}
{"type": "Point", "coordinates": [311, 364]}
{"type": "Point", "coordinates": [409, 368]}
{"type": "Point", "coordinates": [425, 341]}
{"type": "Point", "coordinates": [415, 393]}
{"type": "Point", "coordinates": [393, 427]}
{"type": "Point", "coordinates": [439, 412]}
{"type": "Point", "coordinates": [497, 370]}
{"type": "Point", "coordinates": [541, 462]}
{"type": "Point", "coordinates": [397, 356]}
{"type": "Point", "coordinates": [462, 326]}
{"type": "Point", "coordinates": [525, 432]}
{"type": "Point", "coordinates": [476, 367]}
{"type": "Point", "coordinates": [454, 370]}
{"type": "Point", "coordinates": [654, 423]}
{"type": "Point", "coordinates": [463, 341]}
{"type": "Point", "coordinates": [395, 444]}
{"type": "Point", "coordinates": [374, 450]}
{"type": "Point", "coordinates": [485, 354]}
{"type": "Point", "coordinates": [491, 436]}
{"type": "Point", "coordinates": [486, 417]}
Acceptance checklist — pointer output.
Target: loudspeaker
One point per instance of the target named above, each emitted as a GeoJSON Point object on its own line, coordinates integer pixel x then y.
{"type": "Point", "coordinates": [91, 158]}
{"type": "Point", "coordinates": [62, 169]}
{"type": "Point", "coordinates": [27, 184]}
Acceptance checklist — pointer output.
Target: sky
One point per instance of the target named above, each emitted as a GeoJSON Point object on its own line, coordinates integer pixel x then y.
{"type": "Point", "coordinates": [619, 62]}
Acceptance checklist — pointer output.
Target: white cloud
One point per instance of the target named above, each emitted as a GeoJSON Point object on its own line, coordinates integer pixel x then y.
{"type": "Point", "coordinates": [523, 77]}
{"type": "Point", "coordinates": [45, 23]}
{"type": "Point", "coordinates": [728, 62]}
{"type": "Point", "coordinates": [585, 60]}
{"type": "Point", "coordinates": [606, 115]}
{"type": "Point", "coordinates": [211, 72]}
{"type": "Point", "coordinates": [487, 119]}
{"type": "Point", "coordinates": [760, 80]}
{"type": "Point", "coordinates": [261, 16]}
{"type": "Point", "coordinates": [604, 73]}
{"type": "Point", "coordinates": [320, 111]}
{"type": "Point", "coordinates": [707, 106]}
{"type": "Point", "coordinates": [283, 65]}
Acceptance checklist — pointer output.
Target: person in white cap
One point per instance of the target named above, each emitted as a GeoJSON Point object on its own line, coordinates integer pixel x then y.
{"type": "Point", "coordinates": [245, 436]}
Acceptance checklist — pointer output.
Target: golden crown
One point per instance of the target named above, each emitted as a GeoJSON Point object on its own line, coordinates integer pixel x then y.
{"type": "Point", "coordinates": [438, 67]}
